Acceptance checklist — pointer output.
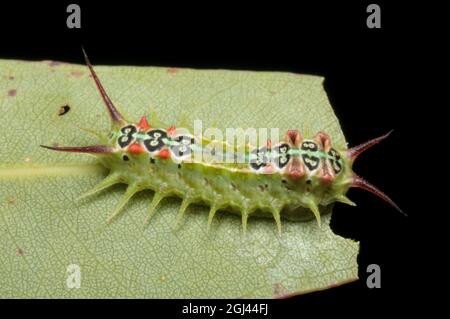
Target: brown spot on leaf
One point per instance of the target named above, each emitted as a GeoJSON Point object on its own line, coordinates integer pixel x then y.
{"type": "Point", "coordinates": [20, 251]}
{"type": "Point", "coordinates": [10, 201]}
{"type": "Point", "coordinates": [172, 70]}
{"type": "Point", "coordinates": [279, 290]}
{"type": "Point", "coordinates": [11, 77]}
{"type": "Point", "coordinates": [333, 285]}
{"type": "Point", "coordinates": [54, 63]}
{"type": "Point", "coordinates": [63, 109]}
{"type": "Point", "coordinates": [12, 92]}
{"type": "Point", "coordinates": [77, 74]}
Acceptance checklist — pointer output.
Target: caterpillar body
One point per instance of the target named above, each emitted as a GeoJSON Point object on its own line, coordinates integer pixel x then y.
{"type": "Point", "coordinates": [290, 179]}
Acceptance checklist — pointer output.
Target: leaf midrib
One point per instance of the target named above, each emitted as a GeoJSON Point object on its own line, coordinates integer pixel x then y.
{"type": "Point", "coordinates": [38, 170]}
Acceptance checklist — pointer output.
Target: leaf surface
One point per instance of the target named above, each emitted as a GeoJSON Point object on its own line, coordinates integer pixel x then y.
{"type": "Point", "coordinates": [45, 230]}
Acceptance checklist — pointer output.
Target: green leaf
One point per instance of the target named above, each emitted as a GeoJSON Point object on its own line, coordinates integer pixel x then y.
{"type": "Point", "coordinates": [44, 229]}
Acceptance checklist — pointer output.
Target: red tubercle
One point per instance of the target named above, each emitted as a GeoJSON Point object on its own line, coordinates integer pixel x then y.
{"type": "Point", "coordinates": [143, 124]}
{"type": "Point", "coordinates": [295, 174]}
{"type": "Point", "coordinates": [171, 130]}
{"type": "Point", "coordinates": [295, 170]}
{"type": "Point", "coordinates": [164, 153]}
{"type": "Point", "coordinates": [293, 137]}
{"type": "Point", "coordinates": [136, 149]}
{"type": "Point", "coordinates": [327, 175]}
{"type": "Point", "coordinates": [269, 169]}
{"type": "Point", "coordinates": [269, 143]}
{"type": "Point", "coordinates": [327, 178]}
{"type": "Point", "coordinates": [324, 140]}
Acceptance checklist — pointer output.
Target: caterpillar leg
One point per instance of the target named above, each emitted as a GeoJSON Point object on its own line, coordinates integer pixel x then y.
{"type": "Point", "coordinates": [212, 213]}
{"type": "Point", "coordinates": [276, 215]}
{"type": "Point", "coordinates": [244, 216]}
{"type": "Point", "coordinates": [131, 190]}
{"type": "Point", "coordinates": [315, 209]}
{"type": "Point", "coordinates": [157, 197]}
{"type": "Point", "coordinates": [109, 181]}
{"type": "Point", "coordinates": [344, 199]}
{"type": "Point", "coordinates": [184, 204]}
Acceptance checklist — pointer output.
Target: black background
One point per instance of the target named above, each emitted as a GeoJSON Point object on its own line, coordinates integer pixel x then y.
{"type": "Point", "coordinates": [368, 80]}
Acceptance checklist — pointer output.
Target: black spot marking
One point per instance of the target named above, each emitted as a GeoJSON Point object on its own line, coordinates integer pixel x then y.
{"type": "Point", "coordinates": [312, 162]}
{"type": "Point", "coordinates": [63, 110]}
{"type": "Point", "coordinates": [129, 129]}
{"type": "Point", "coordinates": [124, 140]}
{"type": "Point", "coordinates": [152, 160]}
{"type": "Point", "coordinates": [284, 181]}
{"type": "Point", "coordinates": [183, 145]}
{"type": "Point", "coordinates": [308, 182]}
{"type": "Point", "coordinates": [179, 165]}
{"type": "Point", "coordinates": [155, 142]}
{"type": "Point", "coordinates": [335, 161]}
{"type": "Point", "coordinates": [282, 157]}
{"type": "Point", "coordinates": [127, 135]}
{"type": "Point", "coordinates": [309, 146]}
{"type": "Point", "coordinates": [125, 158]}
{"type": "Point", "coordinates": [260, 158]}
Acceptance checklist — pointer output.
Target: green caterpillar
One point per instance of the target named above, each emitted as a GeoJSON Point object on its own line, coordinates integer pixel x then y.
{"type": "Point", "coordinates": [292, 178]}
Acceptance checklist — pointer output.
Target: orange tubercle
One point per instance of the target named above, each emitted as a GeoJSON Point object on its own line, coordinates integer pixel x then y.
{"type": "Point", "coordinates": [164, 153]}
{"type": "Point", "coordinates": [171, 130]}
{"type": "Point", "coordinates": [135, 148]}
{"type": "Point", "coordinates": [143, 124]}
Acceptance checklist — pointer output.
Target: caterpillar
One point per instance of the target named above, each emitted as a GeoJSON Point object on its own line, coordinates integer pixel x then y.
{"type": "Point", "coordinates": [289, 179]}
